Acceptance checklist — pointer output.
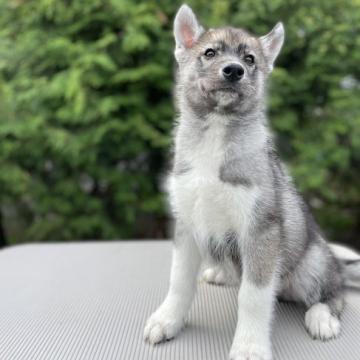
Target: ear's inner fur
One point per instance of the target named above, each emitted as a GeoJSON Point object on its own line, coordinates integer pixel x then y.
{"type": "Point", "coordinates": [188, 36]}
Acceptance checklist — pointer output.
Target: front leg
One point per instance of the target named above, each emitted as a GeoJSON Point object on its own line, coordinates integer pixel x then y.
{"type": "Point", "coordinates": [256, 299]}
{"type": "Point", "coordinates": [168, 319]}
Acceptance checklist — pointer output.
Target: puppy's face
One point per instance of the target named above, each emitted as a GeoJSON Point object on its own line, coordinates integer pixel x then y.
{"type": "Point", "coordinates": [224, 69]}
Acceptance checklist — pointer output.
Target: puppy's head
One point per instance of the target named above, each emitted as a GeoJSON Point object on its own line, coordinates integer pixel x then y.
{"type": "Point", "coordinates": [222, 69]}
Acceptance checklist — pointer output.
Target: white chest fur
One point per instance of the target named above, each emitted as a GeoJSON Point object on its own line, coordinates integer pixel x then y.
{"type": "Point", "coordinates": [201, 200]}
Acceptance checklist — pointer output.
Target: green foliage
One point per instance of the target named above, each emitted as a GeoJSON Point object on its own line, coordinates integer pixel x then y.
{"type": "Point", "coordinates": [86, 110]}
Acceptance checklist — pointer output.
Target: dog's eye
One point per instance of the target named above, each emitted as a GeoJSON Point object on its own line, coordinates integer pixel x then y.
{"type": "Point", "coordinates": [209, 53]}
{"type": "Point", "coordinates": [249, 59]}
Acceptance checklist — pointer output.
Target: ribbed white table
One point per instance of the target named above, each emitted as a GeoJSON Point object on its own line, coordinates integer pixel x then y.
{"type": "Point", "coordinates": [91, 300]}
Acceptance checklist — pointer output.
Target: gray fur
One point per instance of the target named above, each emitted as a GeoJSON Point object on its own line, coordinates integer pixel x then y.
{"type": "Point", "coordinates": [352, 262]}
{"type": "Point", "coordinates": [260, 255]}
{"type": "Point", "coordinates": [230, 172]}
{"type": "Point", "coordinates": [225, 248]}
{"type": "Point", "coordinates": [181, 167]}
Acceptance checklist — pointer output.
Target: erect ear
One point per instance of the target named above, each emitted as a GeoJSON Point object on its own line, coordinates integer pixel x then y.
{"type": "Point", "coordinates": [272, 43]}
{"type": "Point", "coordinates": [186, 28]}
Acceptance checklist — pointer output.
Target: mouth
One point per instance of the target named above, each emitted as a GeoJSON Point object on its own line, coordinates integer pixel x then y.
{"type": "Point", "coordinates": [229, 91]}
{"type": "Point", "coordinates": [226, 89]}
{"type": "Point", "coordinates": [212, 88]}
{"type": "Point", "coordinates": [226, 93]}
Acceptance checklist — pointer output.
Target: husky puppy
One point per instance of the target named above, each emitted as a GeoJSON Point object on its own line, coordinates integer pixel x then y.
{"type": "Point", "coordinates": [233, 200]}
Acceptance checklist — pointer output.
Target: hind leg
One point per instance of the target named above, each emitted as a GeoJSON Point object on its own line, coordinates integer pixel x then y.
{"type": "Point", "coordinates": [220, 274]}
{"type": "Point", "coordinates": [318, 283]}
{"type": "Point", "coordinates": [215, 275]}
{"type": "Point", "coordinates": [322, 320]}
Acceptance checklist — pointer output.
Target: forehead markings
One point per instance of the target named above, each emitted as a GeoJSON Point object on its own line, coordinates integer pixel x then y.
{"type": "Point", "coordinates": [242, 48]}
{"type": "Point", "coordinates": [228, 38]}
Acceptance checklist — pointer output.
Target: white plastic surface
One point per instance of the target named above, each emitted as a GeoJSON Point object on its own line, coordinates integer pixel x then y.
{"type": "Point", "coordinates": [91, 300]}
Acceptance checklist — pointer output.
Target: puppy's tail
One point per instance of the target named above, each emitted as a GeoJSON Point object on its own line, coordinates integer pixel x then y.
{"type": "Point", "coordinates": [351, 261]}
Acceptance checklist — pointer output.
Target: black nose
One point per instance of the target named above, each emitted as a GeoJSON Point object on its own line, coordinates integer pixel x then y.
{"type": "Point", "coordinates": [233, 72]}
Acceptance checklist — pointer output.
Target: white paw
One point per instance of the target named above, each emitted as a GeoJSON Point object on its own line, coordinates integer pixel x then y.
{"type": "Point", "coordinates": [215, 275]}
{"type": "Point", "coordinates": [320, 323]}
{"type": "Point", "coordinates": [162, 325]}
{"type": "Point", "coordinates": [250, 352]}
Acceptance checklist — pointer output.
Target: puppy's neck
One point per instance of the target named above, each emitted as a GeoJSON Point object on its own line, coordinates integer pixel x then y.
{"type": "Point", "coordinates": [248, 120]}
{"type": "Point", "coordinates": [243, 133]}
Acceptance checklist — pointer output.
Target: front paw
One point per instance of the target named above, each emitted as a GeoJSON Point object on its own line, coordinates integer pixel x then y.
{"type": "Point", "coordinates": [162, 325]}
{"type": "Point", "coordinates": [250, 352]}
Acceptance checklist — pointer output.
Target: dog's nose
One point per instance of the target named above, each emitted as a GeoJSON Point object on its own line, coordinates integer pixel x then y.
{"type": "Point", "coordinates": [233, 72]}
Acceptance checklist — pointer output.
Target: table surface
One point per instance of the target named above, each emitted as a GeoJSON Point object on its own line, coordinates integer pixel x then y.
{"type": "Point", "coordinates": [91, 300]}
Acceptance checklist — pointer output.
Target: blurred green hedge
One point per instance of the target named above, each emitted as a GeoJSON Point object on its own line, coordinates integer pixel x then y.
{"type": "Point", "coordinates": [86, 111]}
